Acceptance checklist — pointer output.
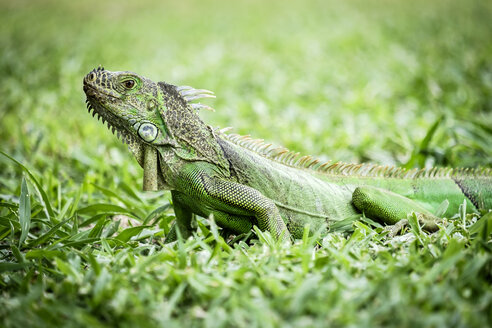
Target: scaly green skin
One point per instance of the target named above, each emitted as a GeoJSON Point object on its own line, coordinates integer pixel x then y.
{"type": "Point", "coordinates": [241, 182]}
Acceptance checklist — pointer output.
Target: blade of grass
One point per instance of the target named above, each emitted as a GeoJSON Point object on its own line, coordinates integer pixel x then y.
{"type": "Point", "coordinates": [8, 266]}
{"type": "Point", "coordinates": [43, 238]}
{"type": "Point", "coordinates": [128, 233]}
{"type": "Point", "coordinates": [24, 212]}
{"type": "Point", "coordinates": [418, 155]}
{"type": "Point", "coordinates": [156, 213]}
{"type": "Point", "coordinates": [43, 197]}
{"type": "Point", "coordinates": [112, 194]}
{"type": "Point", "coordinates": [129, 191]}
{"type": "Point", "coordinates": [108, 208]}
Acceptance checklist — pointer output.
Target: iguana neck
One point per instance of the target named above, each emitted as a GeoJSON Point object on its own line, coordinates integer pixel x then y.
{"type": "Point", "coordinates": [187, 139]}
{"type": "Point", "coordinates": [195, 141]}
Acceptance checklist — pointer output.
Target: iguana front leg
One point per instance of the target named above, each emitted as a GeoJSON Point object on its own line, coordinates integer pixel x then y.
{"type": "Point", "coordinates": [238, 199]}
{"type": "Point", "coordinates": [233, 202]}
{"type": "Point", "coordinates": [183, 209]}
{"type": "Point", "coordinates": [183, 217]}
{"type": "Point", "coordinates": [384, 205]}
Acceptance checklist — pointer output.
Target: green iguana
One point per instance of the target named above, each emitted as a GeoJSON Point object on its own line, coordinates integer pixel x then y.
{"type": "Point", "coordinates": [245, 182]}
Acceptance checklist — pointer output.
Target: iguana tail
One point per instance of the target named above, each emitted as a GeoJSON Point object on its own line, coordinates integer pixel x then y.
{"type": "Point", "coordinates": [477, 189]}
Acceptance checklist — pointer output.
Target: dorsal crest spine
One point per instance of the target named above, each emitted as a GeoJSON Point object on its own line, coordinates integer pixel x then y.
{"type": "Point", "coordinates": [191, 94]}
{"type": "Point", "coordinates": [295, 159]}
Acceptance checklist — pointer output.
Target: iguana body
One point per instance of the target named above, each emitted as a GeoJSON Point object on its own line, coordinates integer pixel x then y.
{"type": "Point", "coordinates": [244, 182]}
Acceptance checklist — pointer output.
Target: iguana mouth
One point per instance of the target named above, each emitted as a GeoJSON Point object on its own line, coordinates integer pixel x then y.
{"type": "Point", "coordinates": [107, 118]}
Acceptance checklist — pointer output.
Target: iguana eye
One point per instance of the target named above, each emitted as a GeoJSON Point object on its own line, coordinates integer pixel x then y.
{"type": "Point", "coordinates": [129, 84]}
{"type": "Point", "coordinates": [148, 132]}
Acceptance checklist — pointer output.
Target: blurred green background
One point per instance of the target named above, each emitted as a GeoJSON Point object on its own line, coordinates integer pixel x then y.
{"type": "Point", "coordinates": [352, 81]}
{"type": "Point", "coordinates": [391, 82]}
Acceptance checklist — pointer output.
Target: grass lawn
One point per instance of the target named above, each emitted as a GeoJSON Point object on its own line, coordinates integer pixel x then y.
{"type": "Point", "coordinates": [390, 82]}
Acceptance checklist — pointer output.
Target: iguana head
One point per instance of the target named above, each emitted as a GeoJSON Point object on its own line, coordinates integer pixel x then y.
{"type": "Point", "coordinates": [128, 102]}
{"type": "Point", "coordinates": [152, 117]}
{"type": "Point", "coordinates": [136, 107]}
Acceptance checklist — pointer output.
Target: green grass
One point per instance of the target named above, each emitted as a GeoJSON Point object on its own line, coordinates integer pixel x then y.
{"type": "Point", "coordinates": [388, 82]}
